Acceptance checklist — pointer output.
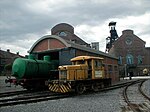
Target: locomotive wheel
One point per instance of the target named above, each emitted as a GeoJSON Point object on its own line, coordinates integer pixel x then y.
{"type": "Point", "coordinates": [80, 88]}
{"type": "Point", "coordinates": [95, 87]}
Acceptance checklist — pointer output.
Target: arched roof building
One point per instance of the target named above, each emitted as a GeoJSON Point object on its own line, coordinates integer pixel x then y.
{"type": "Point", "coordinates": [63, 45]}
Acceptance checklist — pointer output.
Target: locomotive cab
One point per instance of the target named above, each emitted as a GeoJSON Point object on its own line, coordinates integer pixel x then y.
{"type": "Point", "coordinates": [86, 72]}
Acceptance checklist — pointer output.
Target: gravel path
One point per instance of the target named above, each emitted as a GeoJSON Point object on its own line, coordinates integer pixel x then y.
{"type": "Point", "coordinates": [146, 87]}
{"type": "Point", "coordinates": [101, 102]}
{"type": "Point", "coordinates": [110, 101]}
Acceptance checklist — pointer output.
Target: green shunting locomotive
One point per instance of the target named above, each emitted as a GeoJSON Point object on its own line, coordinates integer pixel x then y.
{"type": "Point", "coordinates": [32, 73]}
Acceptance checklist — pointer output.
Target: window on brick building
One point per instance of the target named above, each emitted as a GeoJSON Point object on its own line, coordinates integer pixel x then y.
{"type": "Point", "coordinates": [115, 68]}
{"type": "Point", "coordinates": [140, 59]}
{"type": "Point", "coordinates": [120, 60]}
{"type": "Point", "coordinates": [110, 69]}
{"type": "Point", "coordinates": [62, 33]}
{"type": "Point", "coordinates": [129, 59]}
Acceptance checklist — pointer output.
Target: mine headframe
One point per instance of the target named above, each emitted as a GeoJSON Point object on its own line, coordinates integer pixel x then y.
{"type": "Point", "coordinates": [113, 36]}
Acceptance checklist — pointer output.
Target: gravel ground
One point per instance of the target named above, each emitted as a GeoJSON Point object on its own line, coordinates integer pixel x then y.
{"type": "Point", "coordinates": [110, 101]}
{"type": "Point", "coordinates": [101, 102]}
{"type": "Point", "coordinates": [6, 87]}
{"type": "Point", "coordinates": [145, 85]}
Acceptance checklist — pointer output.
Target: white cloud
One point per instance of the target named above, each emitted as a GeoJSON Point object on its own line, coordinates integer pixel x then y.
{"type": "Point", "coordinates": [14, 49]}
{"type": "Point", "coordinates": [20, 45]}
{"type": "Point", "coordinates": [140, 24]}
{"type": "Point", "coordinates": [94, 33]}
{"type": "Point", "coordinates": [100, 32]}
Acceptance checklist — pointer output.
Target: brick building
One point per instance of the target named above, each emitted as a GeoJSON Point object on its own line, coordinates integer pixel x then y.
{"type": "Point", "coordinates": [6, 57]}
{"type": "Point", "coordinates": [132, 53]}
{"type": "Point", "coordinates": [63, 45]}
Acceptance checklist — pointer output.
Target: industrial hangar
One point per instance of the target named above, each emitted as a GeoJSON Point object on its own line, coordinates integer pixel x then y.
{"type": "Point", "coordinates": [63, 45]}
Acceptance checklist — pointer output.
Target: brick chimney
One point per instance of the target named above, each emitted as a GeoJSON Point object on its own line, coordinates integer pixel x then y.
{"type": "Point", "coordinates": [127, 32]}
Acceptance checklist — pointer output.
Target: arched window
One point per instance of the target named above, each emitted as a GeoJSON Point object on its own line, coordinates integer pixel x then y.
{"type": "Point", "coordinates": [140, 59]}
{"type": "Point", "coordinates": [62, 33]}
{"type": "Point", "coordinates": [129, 59]}
{"type": "Point", "coordinates": [120, 60]}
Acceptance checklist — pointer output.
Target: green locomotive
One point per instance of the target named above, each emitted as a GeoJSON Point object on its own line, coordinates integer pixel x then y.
{"type": "Point", "coordinates": [32, 73]}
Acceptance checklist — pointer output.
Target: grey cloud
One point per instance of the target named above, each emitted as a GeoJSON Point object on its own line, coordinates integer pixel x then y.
{"type": "Point", "coordinates": [18, 19]}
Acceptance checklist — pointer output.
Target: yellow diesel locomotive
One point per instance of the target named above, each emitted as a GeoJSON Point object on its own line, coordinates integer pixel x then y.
{"type": "Point", "coordinates": [86, 72]}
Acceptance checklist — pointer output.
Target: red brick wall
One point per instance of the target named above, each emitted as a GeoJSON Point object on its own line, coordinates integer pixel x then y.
{"type": "Point", "coordinates": [41, 46]}
{"type": "Point", "coordinates": [136, 48]}
{"type": "Point", "coordinates": [54, 44]}
{"type": "Point", "coordinates": [48, 44]}
{"type": "Point", "coordinates": [110, 69]}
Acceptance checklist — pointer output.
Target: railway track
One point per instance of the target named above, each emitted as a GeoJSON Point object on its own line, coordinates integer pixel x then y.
{"type": "Point", "coordinates": [24, 97]}
{"type": "Point", "coordinates": [12, 93]}
{"type": "Point", "coordinates": [30, 98]}
{"type": "Point", "coordinates": [141, 103]}
{"type": "Point", "coordinates": [141, 91]}
{"type": "Point", "coordinates": [116, 86]}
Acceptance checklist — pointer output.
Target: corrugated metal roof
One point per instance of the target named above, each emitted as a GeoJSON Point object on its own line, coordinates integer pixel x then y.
{"type": "Point", "coordinates": [88, 49]}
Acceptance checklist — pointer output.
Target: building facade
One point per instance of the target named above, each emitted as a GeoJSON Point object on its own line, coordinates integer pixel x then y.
{"type": "Point", "coordinates": [132, 53]}
{"type": "Point", "coordinates": [63, 45]}
{"type": "Point", "coordinates": [7, 58]}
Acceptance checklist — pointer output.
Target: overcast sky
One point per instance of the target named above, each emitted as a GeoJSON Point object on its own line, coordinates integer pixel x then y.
{"type": "Point", "coordinates": [23, 22]}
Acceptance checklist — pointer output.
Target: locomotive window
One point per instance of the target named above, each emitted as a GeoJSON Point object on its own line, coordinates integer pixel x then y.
{"type": "Point", "coordinates": [97, 63]}
{"type": "Point", "coordinates": [63, 74]}
{"type": "Point", "coordinates": [73, 63]}
{"type": "Point", "coordinates": [81, 62]}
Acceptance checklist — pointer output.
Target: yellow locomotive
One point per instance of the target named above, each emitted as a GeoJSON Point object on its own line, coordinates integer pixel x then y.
{"type": "Point", "coordinates": [86, 72]}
